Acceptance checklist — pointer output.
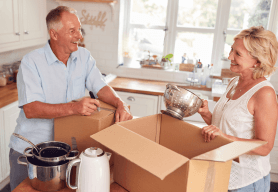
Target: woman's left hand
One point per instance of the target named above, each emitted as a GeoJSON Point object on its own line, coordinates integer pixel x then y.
{"type": "Point", "coordinates": [210, 132]}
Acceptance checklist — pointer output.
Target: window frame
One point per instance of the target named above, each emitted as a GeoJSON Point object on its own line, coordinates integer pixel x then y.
{"type": "Point", "coordinates": [222, 16]}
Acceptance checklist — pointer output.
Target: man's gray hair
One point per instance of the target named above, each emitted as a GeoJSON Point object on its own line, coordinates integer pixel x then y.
{"type": "Point", "coordinates": [53, 18]}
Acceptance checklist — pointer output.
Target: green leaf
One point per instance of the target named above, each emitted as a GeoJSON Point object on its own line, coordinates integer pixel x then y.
{"type": "Point", "coordinates": [169, 56]}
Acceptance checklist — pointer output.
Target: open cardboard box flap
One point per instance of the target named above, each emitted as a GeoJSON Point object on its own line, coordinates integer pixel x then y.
{"type": "Point", "coordinates": [147, 154]}
{"type": "Point", "coordinates": [230, 151]}
{"type": "Point", "coordinates": [142, 142]}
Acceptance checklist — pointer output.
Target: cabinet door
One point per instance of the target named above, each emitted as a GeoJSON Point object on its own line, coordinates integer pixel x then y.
{"type": "Point", "coordinates": [33, 12]}
{"type": "Point", "coordinates": [140, 104]}
{"type": "Point", "coordinates": [10, 114]}
{"type": "Point", "coordinates": [274, 155]}
{"type": "Point", "coordinates": [9, 22]}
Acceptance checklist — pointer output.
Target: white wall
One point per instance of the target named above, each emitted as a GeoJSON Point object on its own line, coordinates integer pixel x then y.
{"type": "Point", "coordinates": [102, 43]}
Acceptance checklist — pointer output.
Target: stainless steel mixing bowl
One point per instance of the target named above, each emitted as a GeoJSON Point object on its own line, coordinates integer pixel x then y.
{"type": "Point", "coordinates": [180, 102]}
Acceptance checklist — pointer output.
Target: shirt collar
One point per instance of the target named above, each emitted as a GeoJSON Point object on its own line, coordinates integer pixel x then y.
{"type": "Point", "coordinates": [51, 57]}
{"type": "Point", "coordinates": [73, 56]}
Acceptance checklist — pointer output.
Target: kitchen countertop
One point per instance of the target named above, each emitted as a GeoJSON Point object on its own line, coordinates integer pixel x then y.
{"type": "Point", "coordinates": [8, 93]}
{"type": "Point", "coordinates": [149, 87]}
{"type": "Point", "coordinates": [25, 185]}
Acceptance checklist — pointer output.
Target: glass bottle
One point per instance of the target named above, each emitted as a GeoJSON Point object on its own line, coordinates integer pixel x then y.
{"type": "Point", "coordinates": [15, 68]}
{"type": "Point", "coordinates": [3, 80]}
{"type": "Point", "coordinates": [9, 73]}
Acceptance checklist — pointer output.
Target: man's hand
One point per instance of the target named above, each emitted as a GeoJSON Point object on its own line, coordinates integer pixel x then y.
{"type": "Point", "coordinates": [86, 106]}
{"type": "Point", "coordinates": [108, 95]}
{"type": "Point", "coordinates": [122, 114]}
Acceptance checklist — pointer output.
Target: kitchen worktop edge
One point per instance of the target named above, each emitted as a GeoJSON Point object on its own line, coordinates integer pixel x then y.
{"type": "Point", "coordinates": [8, 93]}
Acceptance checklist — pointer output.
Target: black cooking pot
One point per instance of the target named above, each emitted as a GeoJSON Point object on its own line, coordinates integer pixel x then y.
{"type": "Point", "coordinates": [51, 152]}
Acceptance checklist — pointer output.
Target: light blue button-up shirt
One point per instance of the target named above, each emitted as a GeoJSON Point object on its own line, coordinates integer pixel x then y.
{"type": "Point", "coordinates": [42, 77]}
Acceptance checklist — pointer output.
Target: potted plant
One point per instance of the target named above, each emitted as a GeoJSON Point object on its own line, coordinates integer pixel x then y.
{"type": "Point", "coordinates": [166, 61]}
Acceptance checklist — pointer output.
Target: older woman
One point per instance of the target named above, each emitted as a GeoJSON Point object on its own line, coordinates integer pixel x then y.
{"type": "Point", "coordinates": [248, 109]}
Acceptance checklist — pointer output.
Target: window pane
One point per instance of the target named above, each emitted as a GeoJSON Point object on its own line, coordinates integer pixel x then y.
{"type": "Point", "coordinates": [229, 42]}
{"type": "Point", "coordinates": [248, 13]}
{"type": "Point", "coordinates": [197, 13]}
{"type": "Point", "coordinates": [148, 12]}
{"type": "Point", "coordinates": [198, 45]}
{"type": "Point", "coordinates": [143, 40]}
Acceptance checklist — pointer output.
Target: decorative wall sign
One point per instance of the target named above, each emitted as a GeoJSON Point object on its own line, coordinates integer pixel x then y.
{"type": "Point", "coordinates": [98, 21]}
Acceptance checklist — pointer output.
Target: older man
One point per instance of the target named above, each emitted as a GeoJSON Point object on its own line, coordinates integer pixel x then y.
{"type": "Point", "coordinates": [49, 78]}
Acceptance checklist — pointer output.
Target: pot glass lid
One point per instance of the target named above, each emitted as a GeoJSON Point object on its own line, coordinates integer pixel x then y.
{"type": "Point", "coordinates": [93, 152]}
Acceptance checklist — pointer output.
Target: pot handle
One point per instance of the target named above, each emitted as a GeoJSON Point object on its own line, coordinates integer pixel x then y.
{"type": "Point", "coordinates": [71, 163]}
{"type": "Point", "coordinates": [27, 154]}
{"type": "Point", "coordinates": [74, 157]}
{"type": "Point", "coordinates": [21, 162]}
{"type": "Point", "coordinates": [171, 86]}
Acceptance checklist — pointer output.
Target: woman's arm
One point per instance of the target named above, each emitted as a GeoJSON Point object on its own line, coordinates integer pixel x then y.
{"type": "Point", "coordinates": [263, 105]}
{"type": "Point", "coordinates": [204, 110]}
{"type": "Point", "coordinates": [265, 116]}
{"type": "Point", "coordinates": [205, 113]}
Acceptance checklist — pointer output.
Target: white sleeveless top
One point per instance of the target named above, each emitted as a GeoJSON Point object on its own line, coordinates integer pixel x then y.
{"type": "Point", "coordinates": [233, 118]}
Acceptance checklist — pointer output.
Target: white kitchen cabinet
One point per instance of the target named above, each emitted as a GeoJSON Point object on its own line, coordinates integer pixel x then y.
{"type": "Point", "coordinates": [24, 24]}
{"type": "Point", "coordinates": [140, 104]}
{"type": "Point", "coordinates": [274, 159]}
{"type": "Point", "coordinates": [8, 116]}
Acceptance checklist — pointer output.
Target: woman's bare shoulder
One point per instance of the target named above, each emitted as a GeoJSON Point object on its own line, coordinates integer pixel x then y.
{"type": "Point", "coordinates": [266, 94]}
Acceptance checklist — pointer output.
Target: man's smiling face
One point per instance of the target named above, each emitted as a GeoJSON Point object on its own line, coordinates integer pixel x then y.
{"type": "Point", "coordinates": [70, 33]}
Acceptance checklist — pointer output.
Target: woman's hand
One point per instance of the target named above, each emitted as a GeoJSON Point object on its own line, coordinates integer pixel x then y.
{"type": "Point", "coordinates": [205, 113]}
{"type": "Point", "coordinates": [204, 110]}
{"type": "Point", "coordinates": [210, 132]}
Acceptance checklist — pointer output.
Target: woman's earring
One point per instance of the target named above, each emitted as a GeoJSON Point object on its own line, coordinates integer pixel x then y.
{"type": "Point", "coordinates": [255, 66]}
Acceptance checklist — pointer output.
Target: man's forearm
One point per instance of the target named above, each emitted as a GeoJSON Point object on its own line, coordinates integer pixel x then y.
{"type": "Point", "coordinates": [47, 111]}
{"type": "Point", "coordinates": [108, 95]}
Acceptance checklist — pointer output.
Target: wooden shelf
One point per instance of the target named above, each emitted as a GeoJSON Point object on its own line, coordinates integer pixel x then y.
{"type": "Point", "coordinates": [97, 1]}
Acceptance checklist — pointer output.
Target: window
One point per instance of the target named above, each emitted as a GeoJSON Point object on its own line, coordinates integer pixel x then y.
{"type": "Point", "coordinates": [203, 29]}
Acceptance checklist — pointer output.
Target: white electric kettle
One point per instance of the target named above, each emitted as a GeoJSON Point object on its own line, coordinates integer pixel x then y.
{"type": "Point", "coordinates": [93, 171]}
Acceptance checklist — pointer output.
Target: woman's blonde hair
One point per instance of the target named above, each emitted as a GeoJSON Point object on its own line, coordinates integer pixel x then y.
{"type": "Point", "coordinates": [263, 46]}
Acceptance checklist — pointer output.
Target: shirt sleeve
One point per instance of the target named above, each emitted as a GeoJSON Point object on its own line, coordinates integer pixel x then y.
{"type": "Point", "coordinates": [94, 79]}
{"type": "Point", "coordinates": [29, 83]}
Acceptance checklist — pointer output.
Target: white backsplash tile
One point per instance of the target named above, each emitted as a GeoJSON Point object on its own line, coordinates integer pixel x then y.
{"type": "Point", "coordinates": [15, 55]}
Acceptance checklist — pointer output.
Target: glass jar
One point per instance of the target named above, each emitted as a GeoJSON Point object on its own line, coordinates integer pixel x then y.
{"type": "Point", "coordinates": [9, 73]}
{"type": "Point", "coordinates": [3, 80]}
{"type": "Point", "coordinates": [15, 69]}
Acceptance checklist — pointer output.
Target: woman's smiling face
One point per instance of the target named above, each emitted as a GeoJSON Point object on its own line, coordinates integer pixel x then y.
{"type": "Point", "coordinates": [241, 60]}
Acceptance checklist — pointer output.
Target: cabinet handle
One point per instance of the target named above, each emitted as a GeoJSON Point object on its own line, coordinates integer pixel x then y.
{"type": "Point", "coordinates": [17, 33]}
{"type": "Point", "coordinates": [131, 98]}
{"type": "Point", "coordinates": [26, 32]}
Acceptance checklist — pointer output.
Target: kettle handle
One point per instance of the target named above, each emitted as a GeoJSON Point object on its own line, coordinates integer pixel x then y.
{"type": "Point", "coordinates": [71, 163]}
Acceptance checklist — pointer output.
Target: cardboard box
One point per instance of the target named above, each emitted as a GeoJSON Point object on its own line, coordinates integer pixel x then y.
{"type": "Point", "coordinates": [159, 153]}
{"type": "Point", "coordinates": [81, 127]}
